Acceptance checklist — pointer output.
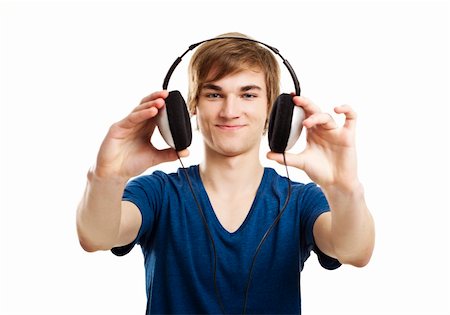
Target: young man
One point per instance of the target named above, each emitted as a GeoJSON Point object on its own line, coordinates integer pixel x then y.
{"type": "Point", "coordinates": [217, 243]}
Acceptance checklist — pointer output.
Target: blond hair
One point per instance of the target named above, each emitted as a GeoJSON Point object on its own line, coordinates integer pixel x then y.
{"type": "Point", "coordinates": [228, 56]}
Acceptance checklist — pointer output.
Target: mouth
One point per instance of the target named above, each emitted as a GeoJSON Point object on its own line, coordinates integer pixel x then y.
{"type": "Point", "coordinates": [229, 127]}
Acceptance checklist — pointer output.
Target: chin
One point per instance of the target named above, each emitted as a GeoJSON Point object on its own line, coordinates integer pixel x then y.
{"type": "Point", "coordinates": [229, 152]}
{"type": "Point", "coordinates": [233, 147]}
{"type": "Point", "coordinates": [233, 151]}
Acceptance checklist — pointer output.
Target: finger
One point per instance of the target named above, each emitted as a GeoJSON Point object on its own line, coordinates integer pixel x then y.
{"type": "Point", "coordinates": [323, 119]}
{"type": "Point", "coordinates": [295, 160]}
{"type": "Point", "coordinates": [137, 117]}
{"type": "Point", "coordinates": [308, 106]}
{"type": "Point", "coordinates": [158, 103]}
{"type": "Point", "coordinates": [350, 115]}
{"type": "Point", "coordinates": [159, 94]}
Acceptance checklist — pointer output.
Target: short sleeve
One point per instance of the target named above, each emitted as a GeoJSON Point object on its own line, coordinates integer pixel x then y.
{"type": "Point", "coordinates": [313, 204]}
{"type": "Point", "coordinates": [146, 193]}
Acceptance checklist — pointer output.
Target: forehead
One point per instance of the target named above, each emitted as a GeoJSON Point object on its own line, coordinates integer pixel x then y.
{"type": "Point", "coordinates": [244, 77]}
{"type": "Point", "coordinates": [220, 69]}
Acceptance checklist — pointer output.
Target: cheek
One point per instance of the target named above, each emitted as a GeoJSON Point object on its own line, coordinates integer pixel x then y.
{"type": "Point", "coordinates": [201, 119]}
{"type": "Point", "coordinates": [260, 115]}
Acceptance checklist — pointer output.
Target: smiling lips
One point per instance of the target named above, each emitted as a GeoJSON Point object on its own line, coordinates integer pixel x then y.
{"type": "Point", "coordinates": [229, 127]}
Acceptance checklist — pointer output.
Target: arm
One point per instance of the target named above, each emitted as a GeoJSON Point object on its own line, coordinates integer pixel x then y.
{"type": "Point", "coordinates": [347, 231]}
{"type": "Point", "coordinates": [105, 221]}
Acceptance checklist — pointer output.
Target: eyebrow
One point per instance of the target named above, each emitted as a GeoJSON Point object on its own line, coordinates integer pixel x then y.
{"type": "Point", "coordinates": [210, 86]}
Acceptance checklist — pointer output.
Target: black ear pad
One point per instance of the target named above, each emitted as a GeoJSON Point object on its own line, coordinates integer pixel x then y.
{"type": "Point", "coordinates": [285, 124]}
{"type": "Point", "coordinates": [174, 122]}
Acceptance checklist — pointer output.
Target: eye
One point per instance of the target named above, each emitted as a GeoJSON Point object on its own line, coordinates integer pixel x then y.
{"type": "Point", "coordinates": [213, 95]}
{"type": "Point", "coordinates": [249, 95]}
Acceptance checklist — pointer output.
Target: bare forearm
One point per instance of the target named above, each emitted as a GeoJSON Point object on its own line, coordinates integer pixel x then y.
{"type": "Point", "coordinates": [352, 226]}
{"type": "Point", "coordinates": [99, 212]}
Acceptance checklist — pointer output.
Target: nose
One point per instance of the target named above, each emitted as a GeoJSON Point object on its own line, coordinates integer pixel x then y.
{"type": "Point", "coordinates": [230, 107]}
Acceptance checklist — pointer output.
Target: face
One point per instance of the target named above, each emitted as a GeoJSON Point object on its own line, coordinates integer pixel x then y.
{"type": "Point", "coordinates": [232, 111]}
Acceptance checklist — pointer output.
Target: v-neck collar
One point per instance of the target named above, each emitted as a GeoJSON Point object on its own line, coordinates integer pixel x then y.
{"type": "Point", "coordinates": [211, 214]}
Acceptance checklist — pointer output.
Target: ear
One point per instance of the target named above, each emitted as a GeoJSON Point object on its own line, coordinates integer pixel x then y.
{"type": "Point", "coordinates": [196, 123]}
{"type": "Point", "coordinates": [266, 126]}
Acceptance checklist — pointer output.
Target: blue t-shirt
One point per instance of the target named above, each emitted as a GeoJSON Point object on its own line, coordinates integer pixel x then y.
{"type": "Point", "coordinates": [178, 252]}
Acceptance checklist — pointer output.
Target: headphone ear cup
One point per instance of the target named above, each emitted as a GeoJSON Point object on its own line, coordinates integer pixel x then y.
{"type": "Point", "coordinates": [285, 124]}
{"type": "Point", "coordinates": [174, 122]}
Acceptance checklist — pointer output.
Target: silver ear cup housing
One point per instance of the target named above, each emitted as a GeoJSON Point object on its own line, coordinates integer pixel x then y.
{"type": "Point", "coordinates": [162, 121]}
{"type": "Point", "coordinates": [298, 115]}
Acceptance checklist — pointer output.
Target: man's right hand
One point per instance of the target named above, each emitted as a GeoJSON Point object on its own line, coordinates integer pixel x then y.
{"type": "Point", "coordinates": [126, 150]}
{"type": "Point", "coordinates": [103, 219]}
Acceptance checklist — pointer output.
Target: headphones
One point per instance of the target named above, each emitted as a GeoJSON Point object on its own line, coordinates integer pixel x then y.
{"type": "Point", "coordinates": [285, 123]}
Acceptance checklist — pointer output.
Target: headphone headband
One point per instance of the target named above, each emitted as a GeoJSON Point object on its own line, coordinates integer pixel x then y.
{"type": "Point", "coordinates": [273, 49]}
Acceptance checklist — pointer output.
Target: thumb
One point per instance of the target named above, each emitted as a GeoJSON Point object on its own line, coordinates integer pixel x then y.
{"type": "Point", "coordinates": [169, 154]}
{"type": "Point", "coordinates": [295, 160]}
{"type": "Point", "coordinates": [183, 153]}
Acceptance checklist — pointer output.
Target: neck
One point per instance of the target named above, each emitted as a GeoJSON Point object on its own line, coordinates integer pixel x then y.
{"type": "Point", "coordinates": [230, 175]}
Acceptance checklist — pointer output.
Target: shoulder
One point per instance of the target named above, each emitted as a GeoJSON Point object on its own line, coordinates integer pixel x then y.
{"type": "Point", "coordinates": [164, 179]}
{"type": "Point", "coordinates": [305, 194]}
{"type": "Point", "coordinates": [280, 182]}
{"type": "Point", "coordinates": [152, 192]}
{"type": "Point", "coordinates": [312, 191]}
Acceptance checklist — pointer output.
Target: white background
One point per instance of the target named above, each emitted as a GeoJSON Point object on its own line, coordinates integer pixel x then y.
{"type": "Point", "coordinates": [70, 69]}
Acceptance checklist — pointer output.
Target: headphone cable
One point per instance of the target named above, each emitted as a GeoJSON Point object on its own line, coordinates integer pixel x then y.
{"type": "Point", "coordinates": [258, 248]}
{"type": "Point", "coordinates": [265, 236]}
{"type": "Point", "coordinates": [213, 245]}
